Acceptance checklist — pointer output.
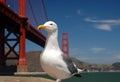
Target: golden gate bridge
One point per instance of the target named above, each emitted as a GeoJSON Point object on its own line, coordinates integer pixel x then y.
{"type": "Point", "coordinates": [17, 24]}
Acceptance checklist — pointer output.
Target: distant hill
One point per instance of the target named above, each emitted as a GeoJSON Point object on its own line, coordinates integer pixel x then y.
{"type": "Point", "coordinates": [33, 63]}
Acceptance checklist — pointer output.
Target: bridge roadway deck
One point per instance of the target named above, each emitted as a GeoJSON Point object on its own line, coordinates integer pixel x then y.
{"type": "Point", "coordinates": [11, 20]}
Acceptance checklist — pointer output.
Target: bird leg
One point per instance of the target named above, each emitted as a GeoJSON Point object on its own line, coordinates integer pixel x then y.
{"type": "Point", "coordinates": [58, 80]}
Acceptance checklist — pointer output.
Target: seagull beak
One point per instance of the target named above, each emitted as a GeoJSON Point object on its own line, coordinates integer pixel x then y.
{"type": "Point", "coordinates": [41, 27]}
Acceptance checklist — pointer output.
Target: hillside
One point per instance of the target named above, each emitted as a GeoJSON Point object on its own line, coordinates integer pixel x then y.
{"type": "Point", "coordinates": [33, 64]}
{"type": "Point", "coordinates": [33, 61]}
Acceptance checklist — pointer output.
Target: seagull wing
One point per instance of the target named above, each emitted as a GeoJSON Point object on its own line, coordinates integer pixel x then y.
{"type": "Point", "coordinates": [71, 67]}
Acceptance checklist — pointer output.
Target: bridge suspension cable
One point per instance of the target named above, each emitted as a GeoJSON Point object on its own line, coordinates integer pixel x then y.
{"type": "Point", "coordinates": [44, 10]}
{"type": "Point", "coordinates": [36, 22]}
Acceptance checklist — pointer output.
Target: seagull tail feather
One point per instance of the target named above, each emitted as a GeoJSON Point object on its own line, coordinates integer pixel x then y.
{"type": "Point", "coordinates": [79, 71]}
{"type": "Point", "coordinates": [77, 75]}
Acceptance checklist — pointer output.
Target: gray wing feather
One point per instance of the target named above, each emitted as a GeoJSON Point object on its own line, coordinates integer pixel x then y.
{"type": "Point", "coordinates": [70, 64]}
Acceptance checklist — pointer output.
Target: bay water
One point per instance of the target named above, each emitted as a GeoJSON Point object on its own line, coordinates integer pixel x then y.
{"type": "Point", "coordinates": [93, 77]}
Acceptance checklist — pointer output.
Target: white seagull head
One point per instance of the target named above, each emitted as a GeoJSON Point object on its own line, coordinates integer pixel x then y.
{"type": "Point", "coordinates": [49, 26]}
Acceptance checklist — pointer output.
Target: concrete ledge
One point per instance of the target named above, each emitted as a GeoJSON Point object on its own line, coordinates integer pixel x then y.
{"type": "Point", "coordinates": [23, 79]}
{"type": "Point", "coordinates": [29, 73]}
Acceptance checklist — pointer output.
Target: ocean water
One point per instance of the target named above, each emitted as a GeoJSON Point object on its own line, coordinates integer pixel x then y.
{"type": "Point", "coordinates": [93, 77]}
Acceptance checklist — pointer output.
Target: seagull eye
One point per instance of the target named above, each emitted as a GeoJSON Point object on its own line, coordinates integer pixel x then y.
{"type": "Point", "coordinates": [51, 24]}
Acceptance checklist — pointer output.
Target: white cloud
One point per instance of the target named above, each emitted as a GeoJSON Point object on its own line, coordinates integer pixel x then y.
{"type": "Point", "coordinates": [106, 27]}
{"type": "Point", "coordinates": [112, 21]}
{"type": "Point", "coordinates": [117, 56]}
{"type": "Point", "coordinates": [79, 12]}
{"type": "Point", "coordinates": [74, 51]}
{"type": "Point", "coordinates": [97, 50]}
{"type": "Point", "coordinates": [77, 51]}
{"type": "Point", "coordinates": [84, 58]}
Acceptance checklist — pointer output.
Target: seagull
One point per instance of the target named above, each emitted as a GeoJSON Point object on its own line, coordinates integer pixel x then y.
{"type": "Point", "coordinates": [53, 61]}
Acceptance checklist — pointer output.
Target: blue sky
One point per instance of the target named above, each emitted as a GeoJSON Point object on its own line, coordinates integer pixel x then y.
{"type": "Point", "coordinates": [93, 27]}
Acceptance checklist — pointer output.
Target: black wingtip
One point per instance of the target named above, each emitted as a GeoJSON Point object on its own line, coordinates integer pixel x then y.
{"type": "Point", "coordinates": [77, 75]}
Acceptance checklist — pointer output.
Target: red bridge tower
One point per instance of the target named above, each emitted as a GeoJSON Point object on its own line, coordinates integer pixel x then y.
{"type": "Point", "coordinates": [19, 36]}
{"type": "Point", "coordinates": [65, 44]}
